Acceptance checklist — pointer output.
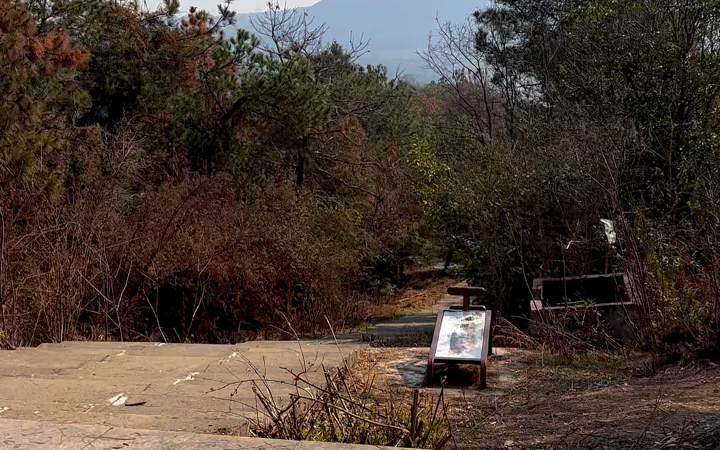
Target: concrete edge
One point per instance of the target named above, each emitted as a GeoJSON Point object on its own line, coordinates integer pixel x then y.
{"type": "Point", "coordinates": [22, 435]}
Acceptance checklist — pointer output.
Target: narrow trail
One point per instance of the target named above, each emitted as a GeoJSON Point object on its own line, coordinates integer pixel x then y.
{"type": "Point", "coordinates": [408, 328]}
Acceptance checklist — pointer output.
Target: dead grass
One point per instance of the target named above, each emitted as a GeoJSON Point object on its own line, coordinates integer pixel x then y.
{"type": "Point", "coordinates": [593, 402]}
{"type": "Point", "coordinates": [348, 407]}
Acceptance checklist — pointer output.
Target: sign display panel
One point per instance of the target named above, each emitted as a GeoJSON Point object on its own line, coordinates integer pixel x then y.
{"type": "Point", "coordinates": [461, 335]}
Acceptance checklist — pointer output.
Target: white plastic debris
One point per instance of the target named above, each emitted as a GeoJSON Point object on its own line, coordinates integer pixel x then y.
{"type": "Point", "coordinates": [224, 360]}
{"type": "Point", "coordinates": [609, 228]}
{"type": "Point", "coordinates": [189, 377]}
{"type": "Point", "coordinates": [118, 400]}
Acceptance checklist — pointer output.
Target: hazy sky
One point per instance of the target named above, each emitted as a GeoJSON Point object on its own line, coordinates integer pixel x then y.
{"type": "Point", "coordinates": [242, 6]}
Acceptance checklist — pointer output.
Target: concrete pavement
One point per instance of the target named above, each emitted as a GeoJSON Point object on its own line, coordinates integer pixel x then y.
{"type": "Point", "coordinates": [76, 395]}
{"type": "Point", "coordinates": [29, 435]}
{"type": "Point", "coordinates": [169, 387]}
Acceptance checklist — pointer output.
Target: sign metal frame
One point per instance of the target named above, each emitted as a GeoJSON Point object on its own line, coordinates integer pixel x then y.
{"type": "Point", "coordinates": [486, 347]}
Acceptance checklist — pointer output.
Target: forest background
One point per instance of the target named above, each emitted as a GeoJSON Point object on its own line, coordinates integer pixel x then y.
{"type": "Point", "coordinates": [161, 178]}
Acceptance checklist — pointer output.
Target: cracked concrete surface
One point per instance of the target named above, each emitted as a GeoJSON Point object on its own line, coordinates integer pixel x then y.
{"type": "Point", "coordinates": [169, 387]}
{"type": "Point", "coordinates": [76, 395]}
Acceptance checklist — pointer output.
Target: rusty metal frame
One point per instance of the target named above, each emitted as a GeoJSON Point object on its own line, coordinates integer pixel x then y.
{"type": "Point", "coordinates": [466, 293]}
{"type": "Point", "coordinates": [482, 362]}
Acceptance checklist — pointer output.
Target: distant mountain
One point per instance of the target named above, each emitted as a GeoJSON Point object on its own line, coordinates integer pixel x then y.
{"type": "Point", "coordinates": [395, 28]}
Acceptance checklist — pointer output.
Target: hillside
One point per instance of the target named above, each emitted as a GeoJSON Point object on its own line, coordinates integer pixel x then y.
{"type": "Point", "coordinates": [395, 28]}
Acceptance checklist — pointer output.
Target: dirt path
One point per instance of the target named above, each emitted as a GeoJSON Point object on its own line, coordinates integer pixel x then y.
{"type": "Point", "coordinates": [412, 329]}
{"type": "Point", "coordinates": [409, 319]}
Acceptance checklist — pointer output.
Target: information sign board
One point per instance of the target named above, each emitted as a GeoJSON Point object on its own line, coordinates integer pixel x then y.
{"type": "Point", "coordinates": [461, 337]}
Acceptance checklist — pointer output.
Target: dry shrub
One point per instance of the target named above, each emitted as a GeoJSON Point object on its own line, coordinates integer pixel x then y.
{"type": "Point", "coordinates": [212, 269]}
{"type": "Point", "coordinates": [348, 408]}
{"type": "Point", "coordinates": [673, 280]}
{"type": "Point", "coordinates": [571, 332]}
{"type": "Point", "coordinates": [191, 262]}
{"type": "Point", "coordinates": [505, 334]}
{"type": "Point", "coordinates": [43, 288]}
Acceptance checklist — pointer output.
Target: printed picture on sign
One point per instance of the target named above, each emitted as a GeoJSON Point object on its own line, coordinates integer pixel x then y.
{"type": "Point", "coordinates": [461, 335]}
